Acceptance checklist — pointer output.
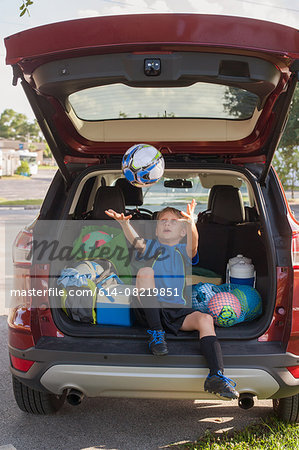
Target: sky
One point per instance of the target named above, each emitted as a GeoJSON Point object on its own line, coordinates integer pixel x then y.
{"type": "Point", "coordinates": [43, 12]}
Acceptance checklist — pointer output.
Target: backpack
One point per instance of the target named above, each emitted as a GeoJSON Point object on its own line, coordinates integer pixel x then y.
{"type": "Point", "coordinates": [80, 287]}
{"type": "Point", "coordinates": [115, 250]}
{"type": "Point", "coordinates": [79, 302]}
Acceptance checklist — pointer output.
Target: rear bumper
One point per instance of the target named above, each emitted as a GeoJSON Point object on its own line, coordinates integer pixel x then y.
{"type": "Point", "coordinates": [151, 382]}
{"type": "Point", "coordinates": [97, 373]}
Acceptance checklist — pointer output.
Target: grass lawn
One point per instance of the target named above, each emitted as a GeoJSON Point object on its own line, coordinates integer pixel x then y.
{"type": "Point", "coordinates": [268, 434]}
{"type": "Point", "coordinates": [15, 177]}
{"type": "Point", "coordinates": [42, 167]}
{"type": "Point", "coordinates": [32, 201]}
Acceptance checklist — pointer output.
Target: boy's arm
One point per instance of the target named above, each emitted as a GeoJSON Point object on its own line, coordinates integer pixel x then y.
{"type": "Point", "coordinates": [192, 233]}
{"type": "Point", "coordinates": [132, 236]}
{"type": "Point", "coordinates": [192, 240]}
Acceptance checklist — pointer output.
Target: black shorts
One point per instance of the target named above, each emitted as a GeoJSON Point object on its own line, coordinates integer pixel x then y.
{"type": "Point", "coordinates": [171, 318]}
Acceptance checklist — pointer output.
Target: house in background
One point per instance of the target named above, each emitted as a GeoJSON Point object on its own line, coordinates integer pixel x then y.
{"type": "Point", "coordinates": [13, 151]}
{"type": "Point", "coordinates": [9, 161]}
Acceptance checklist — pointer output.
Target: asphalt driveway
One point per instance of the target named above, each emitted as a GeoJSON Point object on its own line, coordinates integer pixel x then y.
{"type": "Point", "coordinates": [26, 187]}
{"type": "Point", "coordinates": [116, 423]}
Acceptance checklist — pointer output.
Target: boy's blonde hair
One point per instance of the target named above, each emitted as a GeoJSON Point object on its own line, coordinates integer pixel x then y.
{"type": "Point", "coordinates": [174, 211]}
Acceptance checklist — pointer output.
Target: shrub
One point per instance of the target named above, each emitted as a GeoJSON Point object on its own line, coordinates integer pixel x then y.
{"type": "Point", "coordinates": [23, 169]}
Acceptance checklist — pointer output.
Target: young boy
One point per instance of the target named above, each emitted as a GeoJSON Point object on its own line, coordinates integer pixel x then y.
{"type": "Point", "coordinates": [161, 289]}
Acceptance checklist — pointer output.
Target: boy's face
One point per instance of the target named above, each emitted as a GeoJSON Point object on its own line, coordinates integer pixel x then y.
{"type": "Point", "coordinates": [169, 229]}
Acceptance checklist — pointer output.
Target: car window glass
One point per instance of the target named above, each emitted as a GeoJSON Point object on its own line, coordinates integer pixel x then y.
{"type": "Point", "coordinates": [200, 100]}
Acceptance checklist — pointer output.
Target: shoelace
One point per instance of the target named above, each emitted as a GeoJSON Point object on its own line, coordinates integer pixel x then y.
{"type": "Point", "coordinates": [227, 380]}
{"type": "Point", "coordinates": [157, 336]}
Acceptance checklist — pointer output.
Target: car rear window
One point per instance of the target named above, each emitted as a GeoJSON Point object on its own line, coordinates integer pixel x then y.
{"type": "Point", "coordinates": [200, 100]}
{"type": "Point", "coordinates": [158, 196]}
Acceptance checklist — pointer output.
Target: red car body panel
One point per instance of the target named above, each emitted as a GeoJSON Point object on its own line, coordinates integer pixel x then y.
{"type": "Point", "coordinates": [152, 32]}
{"type": "Point", "coordinates": [293, 344]}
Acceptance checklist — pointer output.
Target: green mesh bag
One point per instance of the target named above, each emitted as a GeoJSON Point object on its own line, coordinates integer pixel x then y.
{"type": "Point", "coordinates": [228, 304]}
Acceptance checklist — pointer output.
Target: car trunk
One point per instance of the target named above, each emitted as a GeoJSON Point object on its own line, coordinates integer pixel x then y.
{"type": "Point", "coordinates": [254, 238]}
{"type": "Point", "coordinates": [224, 86]}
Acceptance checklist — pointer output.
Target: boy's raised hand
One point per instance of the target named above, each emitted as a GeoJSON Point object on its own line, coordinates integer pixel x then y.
{"type": "Point", "coordinates": [120, 217]}
{"type": "Point", "coordinates": [130, 233]}
{"type": "Point", "coordinates": [189, 215]}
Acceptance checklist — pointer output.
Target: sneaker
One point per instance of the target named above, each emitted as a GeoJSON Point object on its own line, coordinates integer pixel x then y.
{"type": "Point", "coordinates": [219, 384]}
{"type": "Point", "coordinates": [157, 343]}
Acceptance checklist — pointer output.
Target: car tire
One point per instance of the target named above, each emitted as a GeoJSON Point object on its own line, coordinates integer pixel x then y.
{"type": "Point", "coordinates": [287, 409]}
{"type": "Point", "coordinates": [36, 402]}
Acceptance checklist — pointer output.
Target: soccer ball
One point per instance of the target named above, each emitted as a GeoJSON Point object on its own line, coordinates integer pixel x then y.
{"type": "Point", "coordinates": [143, 165]}
{"type": "Point", "coordinates": [225, 309]}
{"type": "Point", "coordinates": [251, 301]}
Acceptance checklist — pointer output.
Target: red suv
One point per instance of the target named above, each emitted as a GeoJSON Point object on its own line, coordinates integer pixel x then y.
{"type": "Point", "coordinates": [212, 94]}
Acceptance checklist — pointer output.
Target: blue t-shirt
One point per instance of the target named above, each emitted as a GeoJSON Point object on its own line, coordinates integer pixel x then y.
{"type": "Point", "coordinates": [169, 263]}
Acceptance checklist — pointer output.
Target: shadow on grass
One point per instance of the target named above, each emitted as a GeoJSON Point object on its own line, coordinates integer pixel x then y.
{"type": "Point", "coordinates": [268, 433]}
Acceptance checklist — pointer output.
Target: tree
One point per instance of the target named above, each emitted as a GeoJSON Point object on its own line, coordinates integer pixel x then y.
{"type": "Point", "coordinates": [23, 169]}
{"type": "Point", "coordinates": [24, 8]}
{"type": "Point", "coordinates": [291, 134]}
{"type": "Point", "coordinates": [286, 160]}
{"type": "Point", "coordinates": [47, 152]}
{"type": "Point", "coordinates": [15, 125]}
{"type": "Point", "coordinates": [239, 103]}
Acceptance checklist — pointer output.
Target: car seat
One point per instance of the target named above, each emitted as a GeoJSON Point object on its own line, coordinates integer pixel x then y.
{"type": "Point", "coordinates": [133, 196]}
{"type": "Point", "coordinates": [204, 215]}
{"type": "Point", "coordinates": [107, 197]}
{"type": "Point", "coordinates": [216, 232]}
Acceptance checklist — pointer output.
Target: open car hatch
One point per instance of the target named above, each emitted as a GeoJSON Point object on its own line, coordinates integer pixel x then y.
{"type": "Point", "coordinates": [187, 83]}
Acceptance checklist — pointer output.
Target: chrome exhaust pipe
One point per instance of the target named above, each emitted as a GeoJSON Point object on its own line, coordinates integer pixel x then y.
{"type": "Point", "coordinates": [74, 397]}
{"type": "Point", "coordinates": [245, 401]}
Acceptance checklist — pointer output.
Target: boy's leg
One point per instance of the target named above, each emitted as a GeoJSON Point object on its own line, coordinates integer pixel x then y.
{"type": "Point", "coordinates": [216, 382]}
{"type": "Point", "coordinates": [145, 282]}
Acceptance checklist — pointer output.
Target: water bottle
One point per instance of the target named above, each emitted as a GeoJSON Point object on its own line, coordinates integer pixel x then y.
{"type": "Point", "coordinates": [233, 261]}
{"type": "Point", "coordinates": [242, 273]}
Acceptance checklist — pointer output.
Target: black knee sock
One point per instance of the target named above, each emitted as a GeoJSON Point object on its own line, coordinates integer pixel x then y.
{"type": "Point", "coordinates": [151, 309]}
{"type": "Point", "coordinates": [211, 350]}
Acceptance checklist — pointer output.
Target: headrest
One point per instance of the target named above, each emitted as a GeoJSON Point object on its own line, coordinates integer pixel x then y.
{"type": "Point", "coordinates": [132, 194]}
{"type": "Point", "coordinates": [107, 197]}
{"type": "Point", "coordinates": [227, 205]}
{"type": "Point", "coordinates": [211, 196]}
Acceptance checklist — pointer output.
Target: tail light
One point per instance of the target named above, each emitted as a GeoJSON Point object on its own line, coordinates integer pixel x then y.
{"type": "Point", "coordinates": [21, 253]}
{"type": "Point", "coordinates": [19, 317]}
{"type": "Point", "coordinates": [21, 364]}
{"type": "Point", "coordinates": [30, 314]}
{"type": "Point", "coordinates": [295, 249]}
{"type": "Point", "coordinates": [294, 370]}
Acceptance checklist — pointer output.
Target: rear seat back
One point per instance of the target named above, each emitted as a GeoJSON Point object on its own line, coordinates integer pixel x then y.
{"type": "Point", "coordinates": [217, 230]}
{"type": "Point", "coordinates": [227, 206]}
{"type": "Point", "coordinates": [205, 215]}
{"type": "Point", "coordinates": [132, 194]}
{"type": "Point", "coordinates": [107, 197]}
